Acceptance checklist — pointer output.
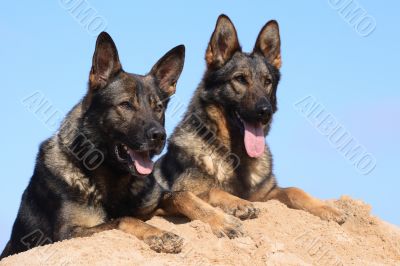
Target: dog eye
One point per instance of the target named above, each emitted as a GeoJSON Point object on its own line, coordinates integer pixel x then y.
{"type": "Point", "coordinates": [268, 81]}
{"type": "Point", "coordinates": [241, 79]}
{"type": "Point", "coordinates": [126, 105]}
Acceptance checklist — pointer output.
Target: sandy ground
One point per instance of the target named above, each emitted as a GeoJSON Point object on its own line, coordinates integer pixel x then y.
{"type": "Point", "coordinates": [280, 236]}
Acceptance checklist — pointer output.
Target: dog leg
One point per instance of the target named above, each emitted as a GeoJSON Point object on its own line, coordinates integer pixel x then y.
{"type": "Point", "coordinates": [194, 208]}
{"type": "Point", "coordinates": [231, 204]}
{"type": "Point", "coordinates": [296, 198]}
{"type": "Point", "coordinates": [157, 239]}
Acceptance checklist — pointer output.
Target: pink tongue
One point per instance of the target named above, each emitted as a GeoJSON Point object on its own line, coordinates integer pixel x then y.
{"type": "Point", "coordinates": [142, 163]}
{"type": "Point", "coordinates": [254, 139]}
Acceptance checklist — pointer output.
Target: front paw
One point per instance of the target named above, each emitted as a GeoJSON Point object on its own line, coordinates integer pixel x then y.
{"type": "Point", "coordinates": [165, 242]}
{"type": "Point", "coordinates": [227, 226]}
{"type": "Point", "coordinates": [328, 213]}
{"type": "Point", "coordinates": [242, 209]}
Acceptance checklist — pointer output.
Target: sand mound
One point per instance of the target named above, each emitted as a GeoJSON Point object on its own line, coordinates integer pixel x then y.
{"type": "Point", "coordinates": [280, 236]}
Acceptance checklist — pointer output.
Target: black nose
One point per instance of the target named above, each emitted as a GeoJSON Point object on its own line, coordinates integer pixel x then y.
{"type": "Point", "coordinates": [264, 111]}
{"type": "Point", "coordinates": [156, 135]}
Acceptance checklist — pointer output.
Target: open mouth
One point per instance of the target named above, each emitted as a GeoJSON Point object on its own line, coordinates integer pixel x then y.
{"type": "Point", "coordinates": [253, 137]}
{"type": "Point", "coordinates": [139, 162]}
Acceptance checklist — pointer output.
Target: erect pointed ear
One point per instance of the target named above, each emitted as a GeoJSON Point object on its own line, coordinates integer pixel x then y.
{"type": "Point", "coordinates": [223, 43]}
{"type": "Point", "coordinates": [105, 63]}
{"type": "Point", "coordinates": [268, 43]}
{"type": "Point", "coordinates": [168, 69]}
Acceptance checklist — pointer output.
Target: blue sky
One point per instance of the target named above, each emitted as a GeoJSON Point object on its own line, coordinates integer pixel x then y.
{"type": "Point", "coordinates": [45, 49]}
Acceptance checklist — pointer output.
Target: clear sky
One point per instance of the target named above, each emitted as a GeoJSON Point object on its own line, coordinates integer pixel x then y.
{"type": "Point", "coordinates": [354, 78]}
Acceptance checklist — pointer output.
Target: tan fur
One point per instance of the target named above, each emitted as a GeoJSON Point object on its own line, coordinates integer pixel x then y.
{"type": "Point", "coordinates": [298, 199]}
{"type": "Point", "coordinates": [171, 89]}
{"type": "Point", "coordinates": [209, 56]}
{"type": "Point", "coordinates": [191, 206]}
{"type": "Point", "coordinates": [218, 116]}
{"type": "Point", "coordinates": [138, 228]}
{"type": "Point", "coordinates": [230, 204]}
{"type": "Point", "coordinates": [277, 62]}
{"type": "Point", "coordinates": [157, 239]}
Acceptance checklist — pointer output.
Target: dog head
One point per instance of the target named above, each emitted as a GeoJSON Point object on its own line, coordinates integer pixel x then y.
{"type": "Point", "coordinates": [244, 84]}
{"type": "Point", "coordinates": [128, 110]}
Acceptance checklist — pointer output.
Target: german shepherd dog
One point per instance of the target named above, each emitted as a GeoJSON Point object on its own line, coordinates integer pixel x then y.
{"type": "Point", "coordinates": [92, 175]}
{"type": "Point", "coordinates": [217, 156]}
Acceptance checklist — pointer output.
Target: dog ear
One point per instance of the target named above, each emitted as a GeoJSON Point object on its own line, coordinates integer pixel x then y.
{"type": "Point", "coordinates": [268, 43]}
{"type": "Point", "coordinates": [168, 69]}
{"type": "Point", "coordinates": [105, 63]}
{"type": "Point", "coordinates": [223, 43]}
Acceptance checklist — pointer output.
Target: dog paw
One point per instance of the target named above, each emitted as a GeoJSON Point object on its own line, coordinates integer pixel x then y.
{"type": "Point", "coordinates": [166, 242]}
{"type": "Point", "coordinates": [243, 210]}
{"type": "Point", "coordinates": [328, 213]}
{"type": "Point", "coordinates": [227, 226]}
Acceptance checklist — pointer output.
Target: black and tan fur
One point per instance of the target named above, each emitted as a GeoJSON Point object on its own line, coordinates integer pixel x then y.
{"type": "Point", "coordinates": [206, 164]}
{"type": "Point", "coordinates": [68, 198]}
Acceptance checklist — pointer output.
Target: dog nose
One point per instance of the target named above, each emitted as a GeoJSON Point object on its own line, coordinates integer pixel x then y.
{"type": "Point", "coordinates": [264, 111]}
{"type": "Point", "coordinates": [156, 135]}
